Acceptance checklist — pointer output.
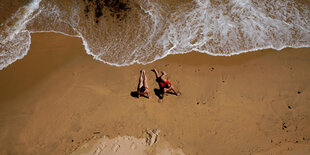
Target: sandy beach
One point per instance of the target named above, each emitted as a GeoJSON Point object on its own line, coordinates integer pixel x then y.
{"type": "Point", "coordinates": [57, 99]}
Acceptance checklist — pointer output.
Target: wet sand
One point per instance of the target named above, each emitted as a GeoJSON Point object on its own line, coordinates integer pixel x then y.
{"type": "Point", "coordinates": [58, 98]}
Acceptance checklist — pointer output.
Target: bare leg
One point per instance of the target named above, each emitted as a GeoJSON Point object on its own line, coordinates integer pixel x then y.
{"type": "Point", "coordinates": [145, 80]}
{"type": "Point", "coordinates": [140, 83]}
{"type": "Point", "coordinates": [164, 92]}
{"type": "Point", "coordinates": [148, 94]}
{"type": "Point", "coordinates": [173, 89]}
{"type": "Point", "coordinates": [146, 85]}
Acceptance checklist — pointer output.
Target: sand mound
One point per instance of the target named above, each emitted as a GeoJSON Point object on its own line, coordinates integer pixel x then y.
{"type": "Point", "coordinates": [119, 145]}
{"type": "Point", "coordinates": [127, 145]}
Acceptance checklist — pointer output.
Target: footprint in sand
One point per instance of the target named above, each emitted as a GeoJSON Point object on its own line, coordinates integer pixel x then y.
{"type": "Point", "coordinates": [97, 152]}
{"type": "Point", "coordinates": [153, 137]}
{"type": "Point", "coordinates": [133, 146]}
{"type": "Point", "coordinates": [116, 147]}
{"type": "Point", "coordinates": [102, 145]}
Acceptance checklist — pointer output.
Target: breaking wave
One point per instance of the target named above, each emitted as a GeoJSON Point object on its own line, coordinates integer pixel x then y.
{"type": "Point", "coordinates": [123, 32]}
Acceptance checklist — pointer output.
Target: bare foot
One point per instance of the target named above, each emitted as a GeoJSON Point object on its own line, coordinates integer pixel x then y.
{"type": "Point", "coordinates": [160, 100]}
{"type": "Point", "coordinates": [178, 94]}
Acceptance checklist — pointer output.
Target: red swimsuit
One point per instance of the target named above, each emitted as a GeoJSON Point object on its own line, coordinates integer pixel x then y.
{"type": "Point", "coordinates": [164, 84]}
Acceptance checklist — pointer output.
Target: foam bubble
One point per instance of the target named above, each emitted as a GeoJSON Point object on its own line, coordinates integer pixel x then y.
{"type": "Point", "coordinates": [15, 39]}
{"type": "Point", "coordinates": [231, 27]}
{"type": "Point", "coordinates": [155, 29]}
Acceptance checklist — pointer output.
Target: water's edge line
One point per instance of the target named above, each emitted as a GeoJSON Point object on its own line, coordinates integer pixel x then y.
{"type": "Point", "coordinates": [156, 58]}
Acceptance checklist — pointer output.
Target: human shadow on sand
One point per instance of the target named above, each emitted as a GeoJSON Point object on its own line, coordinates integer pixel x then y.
{"type": "Point", "coordinates": [135, 94]}
{"type": "Point", "coordinates": [158, 93]}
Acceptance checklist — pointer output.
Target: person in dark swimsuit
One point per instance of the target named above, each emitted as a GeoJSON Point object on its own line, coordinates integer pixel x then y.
{"type": "Point", "coordinates": [143, 88]}
{"type": "Point", "coordinates": [164, 85]}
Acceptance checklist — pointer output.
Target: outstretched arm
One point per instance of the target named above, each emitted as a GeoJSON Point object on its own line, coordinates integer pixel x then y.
{"type": "Point", "coordinates": [156, 73]}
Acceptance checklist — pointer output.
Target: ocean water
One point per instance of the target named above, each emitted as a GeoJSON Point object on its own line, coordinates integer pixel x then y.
{"type": "Point", "coordinates": [123, 32]}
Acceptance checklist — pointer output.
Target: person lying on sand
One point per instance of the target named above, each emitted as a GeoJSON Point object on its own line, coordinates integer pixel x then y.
{"type": "Point", "coordinates": [143, 88]}
{"type": "Point", "coordinates": [164, 84]}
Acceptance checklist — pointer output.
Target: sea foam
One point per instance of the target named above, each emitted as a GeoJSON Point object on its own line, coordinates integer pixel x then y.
{"type": "Point", "coordinates": [15, 40]}
{"type": "Point", "coordinates": [151, 30]}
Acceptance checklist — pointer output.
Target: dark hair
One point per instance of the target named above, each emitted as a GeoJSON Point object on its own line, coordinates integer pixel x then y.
{"type": "Point", "coordinates": [142, 89]}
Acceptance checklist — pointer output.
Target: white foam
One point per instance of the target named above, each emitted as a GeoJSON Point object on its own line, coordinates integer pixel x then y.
{"type": "Point", "coordinates": [20, 48]}
{"type": "Point", "coordinates": [218, 33]}
{"type": "Point", "coordinates": [19, 19]}
{"type": "Point", "coordinates": [15, 40]}
{"type": "Point", "coordinates": [221, 29]}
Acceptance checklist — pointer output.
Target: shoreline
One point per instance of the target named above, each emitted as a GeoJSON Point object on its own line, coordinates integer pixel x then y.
{"type": "Point", "coordinates": [86, 50]}
{"type": "Point", "coordinates": [57, 96]}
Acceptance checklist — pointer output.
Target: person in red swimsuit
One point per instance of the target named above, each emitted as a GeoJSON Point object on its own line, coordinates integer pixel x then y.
{"type": "Point", "coordinates": [164, 84]}
{"type": "Point", "coordinates": [143, 88]}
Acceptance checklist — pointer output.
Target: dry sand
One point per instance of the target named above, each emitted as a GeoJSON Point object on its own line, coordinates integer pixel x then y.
{"type": "Point", "coordinates": [58, 99]}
